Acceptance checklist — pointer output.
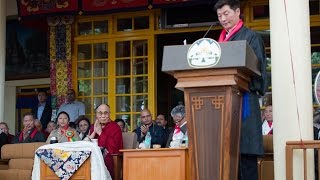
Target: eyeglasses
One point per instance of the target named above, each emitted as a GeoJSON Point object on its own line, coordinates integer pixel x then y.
{"type": "Point", "coordinates": [146, 116]}
{"type": "Point", "coordinates": [100, 113]}
{"type": "Point", "coordinates": [178, 119]}
{"type": "Point", "coordinates": [70, 94]}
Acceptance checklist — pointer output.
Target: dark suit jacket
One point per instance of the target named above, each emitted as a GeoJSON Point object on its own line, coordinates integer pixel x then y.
{"type": "Point", "coordinates": [3, 140]}
{"type": "Point", "coordinates": [46, 115]}
{"type": "Point", "coordinates": [157, 135]}
{"type": "Point", "coordinates": [183, 129]}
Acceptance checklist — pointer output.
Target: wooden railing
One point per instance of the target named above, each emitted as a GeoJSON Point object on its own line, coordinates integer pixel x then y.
{"type": "Point", "coordinates": [304, 146]}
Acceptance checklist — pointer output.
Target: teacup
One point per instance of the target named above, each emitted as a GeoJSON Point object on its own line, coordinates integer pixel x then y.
{"type": "Point", "coordinates": [156, 146]}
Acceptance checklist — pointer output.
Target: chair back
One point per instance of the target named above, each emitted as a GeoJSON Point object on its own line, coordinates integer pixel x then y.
{"type": "Point", "coordinates": [129, 140]}
{"type": "Point", "coordinates": [268, 143]}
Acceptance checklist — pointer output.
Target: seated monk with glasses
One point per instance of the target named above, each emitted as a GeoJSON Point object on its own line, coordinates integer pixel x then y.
{"type": "Point", "coordinates": [109, 135]}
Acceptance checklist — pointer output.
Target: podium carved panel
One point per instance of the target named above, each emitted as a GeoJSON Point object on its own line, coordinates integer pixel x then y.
{"type": "Point", "coordinates": [214, 119]}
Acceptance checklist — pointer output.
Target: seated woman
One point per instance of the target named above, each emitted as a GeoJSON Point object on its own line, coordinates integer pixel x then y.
{"type": "Point", "coordinates": [64, 133]}
{"type": "Point", "coordinates": [83, 125]}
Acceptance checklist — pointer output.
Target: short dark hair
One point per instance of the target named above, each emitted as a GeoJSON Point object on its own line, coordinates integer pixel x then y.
{"type": "Point", "coordinates": [164, 116]}
{"type": "Point", "coordinates": [82, 118]}
{"type": "Point", "coordinates": [120, 120]}
{"type": "Point", "coordinates": [29, 114]}
{"type": "Point", "coordinates": [4, 124]}
{"type": "Point", "coordinates": [63, 112]}
{"type": "Point", "coordinates": [234, 4]}
{"type": "Point", "coordinates": [42, 91]}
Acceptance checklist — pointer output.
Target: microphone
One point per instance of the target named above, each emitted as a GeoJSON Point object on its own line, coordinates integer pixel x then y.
{"type": "Point", "coordinates": [214, 23]}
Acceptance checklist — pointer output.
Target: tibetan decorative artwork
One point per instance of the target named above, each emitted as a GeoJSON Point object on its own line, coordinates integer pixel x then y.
{"type": "Point", "coordinates": [60, 57]}
{"type": "Point", "coordinates": [103, 5]}
{"type": "Point", "coordinates": [35, 7]}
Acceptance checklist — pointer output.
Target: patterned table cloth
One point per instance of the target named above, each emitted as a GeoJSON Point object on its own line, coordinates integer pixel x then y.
{"type": "Point", "coordinates": [65, 158]}
{"type": "Point", "coordinates": [63, 163]}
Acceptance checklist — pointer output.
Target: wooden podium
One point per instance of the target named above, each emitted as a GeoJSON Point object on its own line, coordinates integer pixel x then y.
{"type": "Point", "coordinates": [213, 101]}
{"type": "Point", "coordinates": [161, 163]}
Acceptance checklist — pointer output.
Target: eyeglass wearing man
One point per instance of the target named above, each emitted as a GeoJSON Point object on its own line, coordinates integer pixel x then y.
{"type": "Point", "coordinates": [157, 133]}
{"type": "Point", "coordinates": [178, 114]}
{"type": "Point", "coordinates": [146, 120]}
{"type": "Point", "coordinates": [102, 118]}
{"type": "Point", "coordinates": [108, 133]}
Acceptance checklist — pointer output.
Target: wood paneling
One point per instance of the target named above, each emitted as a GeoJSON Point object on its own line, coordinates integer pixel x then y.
{"type": "Point", "coordinates": [213, 114]}
{"type": "Point", "coordinates": [162, 163]}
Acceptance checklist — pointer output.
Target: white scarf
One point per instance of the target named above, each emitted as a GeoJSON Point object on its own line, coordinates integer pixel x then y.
{"type": "Point", "coordinates": [266, 128]}
{"type": "Point", "coordinates": [98, 168]}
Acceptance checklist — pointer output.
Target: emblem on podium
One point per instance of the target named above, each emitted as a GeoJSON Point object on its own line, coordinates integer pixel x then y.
{"type": "Point", "coordinates": [204, 53]}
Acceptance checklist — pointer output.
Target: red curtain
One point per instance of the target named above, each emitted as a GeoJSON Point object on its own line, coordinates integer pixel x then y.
{"type": "Point", "coordinates": [102, 5]}
{"type": "Point", "coordinates": [36, 7]}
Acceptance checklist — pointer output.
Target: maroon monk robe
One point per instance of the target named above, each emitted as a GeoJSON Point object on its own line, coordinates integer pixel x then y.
{"type": "Point", "coordinates": [111, 139]}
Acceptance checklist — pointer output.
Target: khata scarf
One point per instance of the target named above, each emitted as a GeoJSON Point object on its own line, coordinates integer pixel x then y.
{"type": "Point", "coordinates": [224, 38]}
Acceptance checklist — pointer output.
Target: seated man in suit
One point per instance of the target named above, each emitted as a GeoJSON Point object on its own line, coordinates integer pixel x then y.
{"type": "Point", "coordinates": [156, 132]}
{"type": "Point", "coordinates": [29, 132]}
{"type": "Point", "coordinates": [163, 122]}
{"type": "Point", "coordinates": [43, 109]}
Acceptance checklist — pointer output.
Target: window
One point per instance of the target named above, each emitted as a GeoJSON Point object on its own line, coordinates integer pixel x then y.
{"type": "Point", "coordinates": [113, 69]}
{"type": "Point", "coordinates": [133, 23]}
{"type": "Point", "coordinates": [92, 74]}
{"type": "Point", "coordinates": [131, 79]}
